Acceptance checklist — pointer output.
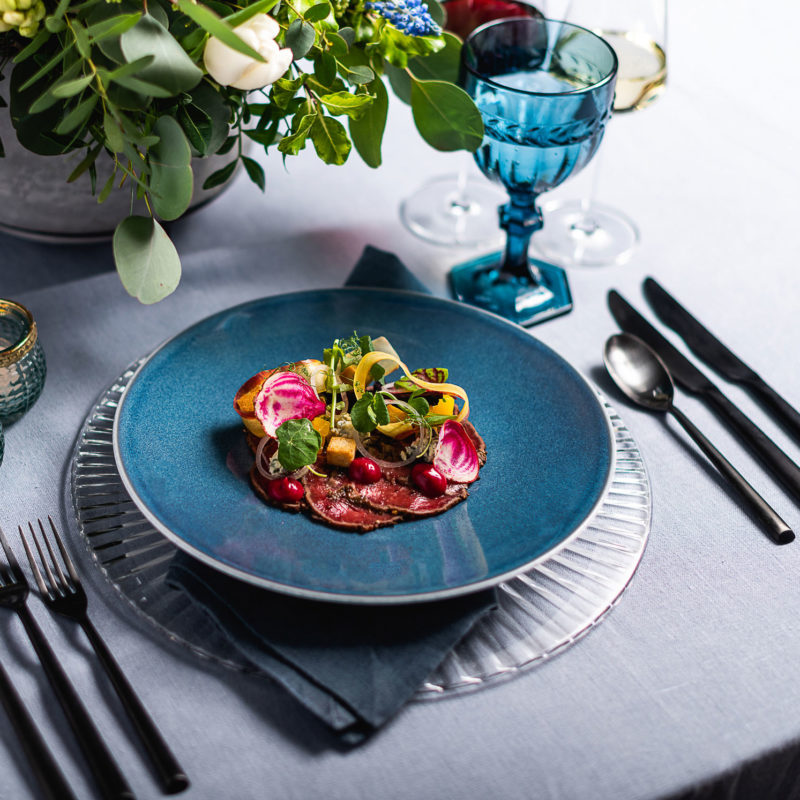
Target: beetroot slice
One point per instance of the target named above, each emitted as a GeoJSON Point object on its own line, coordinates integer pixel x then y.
{"type": "Point", "coordinates": [285, 396]}
{"type": "Point", "coordinates": [456, 457]}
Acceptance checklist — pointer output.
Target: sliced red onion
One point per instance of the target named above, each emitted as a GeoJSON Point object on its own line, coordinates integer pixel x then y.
{"type": "Point", "coordinates": [420, 445]}
{"type": "Point", "coordinates": [264, 472]}
{"type": "Point", "coordinates": [285, 396]}
{"type": "Point", "coordinates": [456, 457]}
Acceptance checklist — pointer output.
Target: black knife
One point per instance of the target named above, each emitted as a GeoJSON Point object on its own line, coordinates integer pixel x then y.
{"type": "Point", "coordinates": [706, 346]}
{"type": "Point", "coordinates": [690, 378]}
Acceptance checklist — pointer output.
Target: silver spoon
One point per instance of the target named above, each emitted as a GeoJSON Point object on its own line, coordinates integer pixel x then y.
{"type": "Point", "coordinates": [642, 376]}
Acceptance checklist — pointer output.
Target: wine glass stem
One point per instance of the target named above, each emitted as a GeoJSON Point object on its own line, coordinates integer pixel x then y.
{"type": "Point", "coordinates": [520, 219]}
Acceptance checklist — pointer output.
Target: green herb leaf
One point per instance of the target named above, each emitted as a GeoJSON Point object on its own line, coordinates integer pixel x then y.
{"type": "Point", "coordinates": [441, 66]}
{"type": "Point", "coordinates": [354, 105]}
{"type": "Point", "coordinates": [255, 172]}
{"type": "Point", "coordinates": [298, 444]}
{"type": "Point", "coordinates": [446, 116]}
{"type": "Point", "coordinates": [420, 405]}
{"type": "Point", "coordinates": [147, 261]}
{"type": "Point", "coordinates": [296, 141]}
{"type": "Point", "coordinates": [171, 177]}
{"type": "Point", "coordinates": [432, 374]}
{"type": "Point", "coordinates": [362, 414]}
{"type": "Point", "coordinates": [367, 131]}
{"type": "Point", "coordinates": [220, 176]}
{"type": "Point", "coordinates": [330, 140]}
{"type": "Point", "coordinates": [381, 412]}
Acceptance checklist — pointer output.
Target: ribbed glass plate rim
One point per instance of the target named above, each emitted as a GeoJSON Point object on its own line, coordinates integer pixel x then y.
{"type": "Point", "coordinates": [539, 612]}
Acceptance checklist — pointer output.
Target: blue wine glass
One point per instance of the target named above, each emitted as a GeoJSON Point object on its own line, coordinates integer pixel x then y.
{"type": "Point", "coordinates": [545, 90]}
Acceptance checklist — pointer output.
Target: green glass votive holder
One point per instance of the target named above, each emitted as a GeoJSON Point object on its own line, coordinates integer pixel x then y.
{"type": "Point", "coordinates": [22, 363]}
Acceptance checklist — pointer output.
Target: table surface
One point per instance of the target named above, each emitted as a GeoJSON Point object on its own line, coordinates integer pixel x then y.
{"type": "Point", "coordinates": [689, 680]}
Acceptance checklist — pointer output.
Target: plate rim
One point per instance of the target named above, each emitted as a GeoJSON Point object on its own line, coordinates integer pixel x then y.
{"type": "Point", "coordinates": [355, 598]}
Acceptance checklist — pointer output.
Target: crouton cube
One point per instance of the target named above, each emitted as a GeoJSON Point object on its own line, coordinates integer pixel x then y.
{"type": "Point", "coordinates": [341, 451]}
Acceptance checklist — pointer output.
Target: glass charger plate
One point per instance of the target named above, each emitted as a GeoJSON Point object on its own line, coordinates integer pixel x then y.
{"type": "Point", "coordinates": [539, 614]}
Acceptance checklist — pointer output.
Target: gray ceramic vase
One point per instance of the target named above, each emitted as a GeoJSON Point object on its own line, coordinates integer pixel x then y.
{"type": "Point", "coordinates": [36, 201]}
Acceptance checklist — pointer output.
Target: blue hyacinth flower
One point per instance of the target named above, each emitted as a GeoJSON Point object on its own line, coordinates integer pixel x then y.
{"type": "Point", "coordinates": [409, 16]}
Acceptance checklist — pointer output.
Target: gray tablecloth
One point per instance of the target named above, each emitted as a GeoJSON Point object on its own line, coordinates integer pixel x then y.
{"type": "Point", "coordinates": [688, 686]}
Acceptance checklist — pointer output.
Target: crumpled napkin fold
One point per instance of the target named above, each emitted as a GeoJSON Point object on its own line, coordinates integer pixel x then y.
{"type": "Point", "coordinates": [352, 666]}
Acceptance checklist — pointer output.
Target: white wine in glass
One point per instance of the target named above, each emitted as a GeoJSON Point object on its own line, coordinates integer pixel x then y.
{"type": "Point", "coordinates": [585, 232]}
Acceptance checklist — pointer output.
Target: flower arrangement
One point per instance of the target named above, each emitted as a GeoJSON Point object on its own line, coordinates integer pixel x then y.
{"type": "Point", "coordinates": [154, 84]}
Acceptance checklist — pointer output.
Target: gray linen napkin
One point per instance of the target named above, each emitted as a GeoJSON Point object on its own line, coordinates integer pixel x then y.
{"type": "Point", "coordinates": [353, 667]}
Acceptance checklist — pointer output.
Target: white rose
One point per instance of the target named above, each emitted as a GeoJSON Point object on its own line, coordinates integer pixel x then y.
{"type": "Point", "coordinates": [230, 68]}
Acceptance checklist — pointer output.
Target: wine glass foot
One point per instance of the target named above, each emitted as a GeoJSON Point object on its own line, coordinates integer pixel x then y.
{"type": "Point", "coordinates": [454, 210]}
{"type": "Point", "coordinates": [597, 236]}
{"type": "Point", "coordinates": [481, 283]}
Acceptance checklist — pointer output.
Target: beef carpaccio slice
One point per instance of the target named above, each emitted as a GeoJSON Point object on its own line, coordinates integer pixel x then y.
{"type": "Point", "coordinates": [328, 499]}
{"type": "Point", "coordinates": [395, 492]}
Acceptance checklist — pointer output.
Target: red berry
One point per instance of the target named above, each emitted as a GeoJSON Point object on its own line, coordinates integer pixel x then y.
{"type": "Point", "coordinates": [364, 470]}
{"type": "Point", "coordinates": [285, 490]}
{"type": "Point", "coordinates": [428, 480]}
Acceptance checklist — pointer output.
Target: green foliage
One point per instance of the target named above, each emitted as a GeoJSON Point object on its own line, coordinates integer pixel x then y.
{"type": "Point", "coordinates": [147, 261]}
{"type": "Point", "coordinates": [298, 444]}
{"type": "Point", "coordinates": [125, 80]}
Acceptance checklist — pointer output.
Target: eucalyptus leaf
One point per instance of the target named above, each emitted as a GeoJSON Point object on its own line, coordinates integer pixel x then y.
{"type": "Point", "coordinates": [330, 140]}
{"type": "Point", "coordinates": [113, 26]}
{"type": "Point", "coordinates": [348, 34]}
{"type": "Point", "coordinates": [36, 132]}
{"type": "Point", "coordinates": [87, 161]}
{"type": "Point", "coordinates": [146, 260]}
{"type": "Point", "coordinates": [72, 87]}
{"type": "Point", "coordinates": [171, 68]}
{"type": "Point", "coordinates": [358, 74]}
{"type": "Point", "coordinates": [113, 133]}
{"type": "Point", "coordinates": [367, 131]}
{"type": "Point", "coordinates": [171, 177]}
{"type": "Point", "coordinates": [300, 38]}
{"type": "Point", "coordinates": [446, 116]}
{"type": "Point", "coordinates": [210, 114]}
{"type": "Point", "coordinates": [78, 115]}
{"type": "Point", "coordinates": [318, 12]}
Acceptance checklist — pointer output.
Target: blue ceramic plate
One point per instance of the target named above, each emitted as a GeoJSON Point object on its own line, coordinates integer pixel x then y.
{"type": "Point", "coordinates": [182, 454]}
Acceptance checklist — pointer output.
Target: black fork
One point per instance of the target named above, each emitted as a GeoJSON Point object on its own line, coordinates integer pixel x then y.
{"type": "Point", "coordinates": [62, 592]}
{"type": "Point", "coordinates": [14, 595]}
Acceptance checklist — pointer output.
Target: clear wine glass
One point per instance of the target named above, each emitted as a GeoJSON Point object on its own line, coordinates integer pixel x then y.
{"type": "Point", "coordinates": [544, 89]}
{"type": "Point", "coordinates": [586, 232]}
{"type": "Point", "coordinates": [460, 208]}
